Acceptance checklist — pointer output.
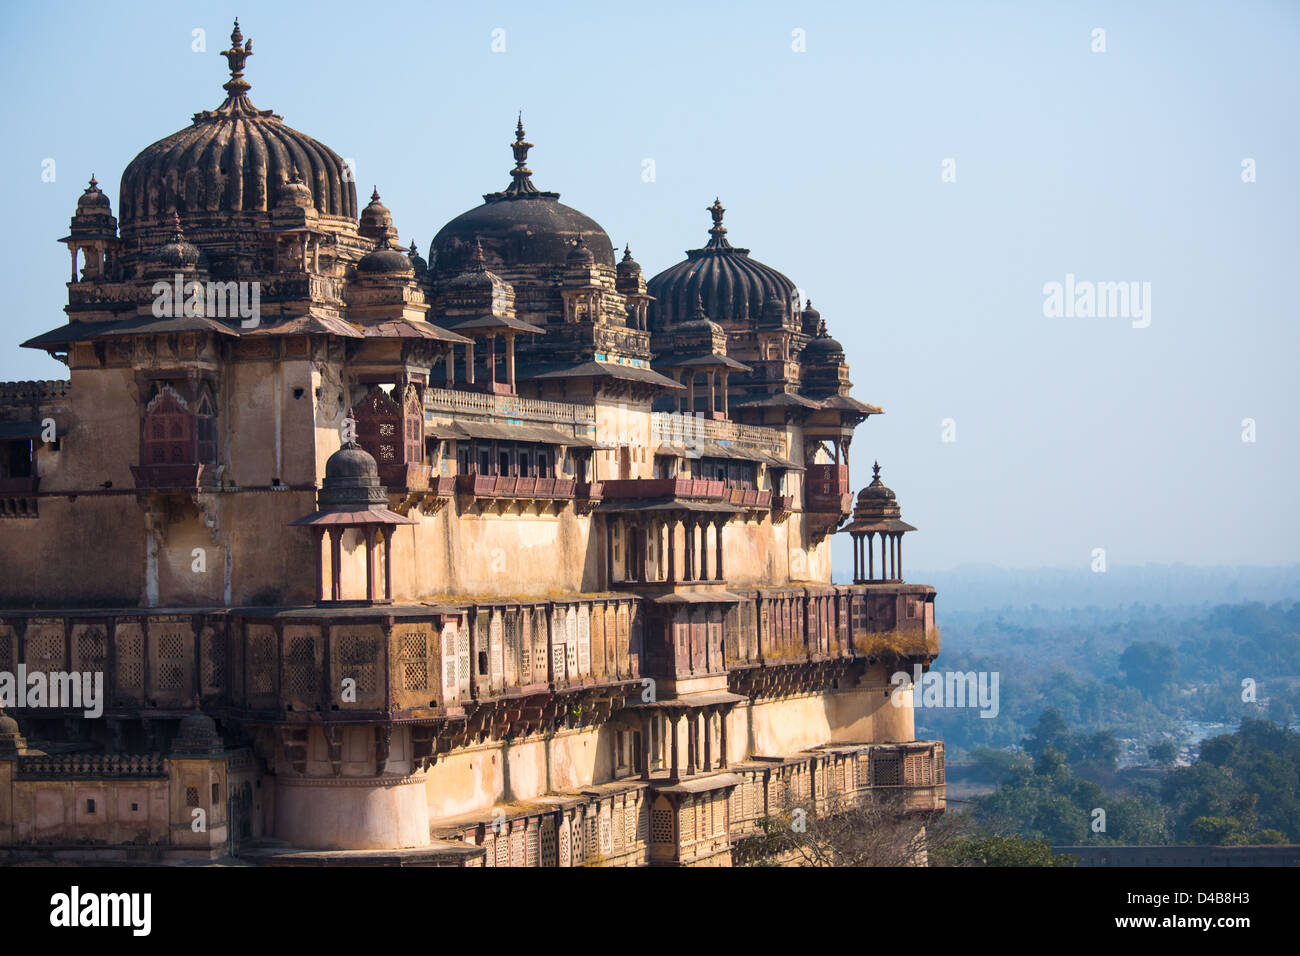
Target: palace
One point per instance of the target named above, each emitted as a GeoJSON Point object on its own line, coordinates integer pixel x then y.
{"type": "Point", "coordinates": [504, 557]}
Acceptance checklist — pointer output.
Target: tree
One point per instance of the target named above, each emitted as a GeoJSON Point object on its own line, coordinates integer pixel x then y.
{"type": "Point", "coordinates": [1149, 666]}
{"type": "Point", "coordinates": [998, 851]}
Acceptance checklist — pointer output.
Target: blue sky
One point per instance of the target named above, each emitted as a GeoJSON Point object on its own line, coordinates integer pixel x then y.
{"type": "Point", "coordinates": [1072, 433]}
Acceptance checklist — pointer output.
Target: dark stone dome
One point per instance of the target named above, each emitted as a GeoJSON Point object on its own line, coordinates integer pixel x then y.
{"type": "Point", "coordinates": [580, 255]}
{"type": "Point", "coordinates": [734, 287]}
{"type": "Point", "coordinates": [386, 262]}
{"type": "Point", "coordinates": [823, 346]}
{"type": "Point", "coordinates": [175, 253]}
{"type": "Point", "coordinates": [376, 220]}
{"type": "Point", "coordinates": [230, 161]}
{"type": "Point", "coordinates": [521, 226]}
{"type": "Point", "coordinates": [627, 266]}
{"type": "Point", "coordinates": [351, 480]}
{"type": "Point", "coordinates": [197, 735]}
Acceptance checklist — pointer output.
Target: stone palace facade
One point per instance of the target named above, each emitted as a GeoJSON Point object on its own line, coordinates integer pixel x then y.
{"type": "Point", "coordinates": [504, 557]}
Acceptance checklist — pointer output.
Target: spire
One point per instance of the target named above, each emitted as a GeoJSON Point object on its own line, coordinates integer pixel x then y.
{"type": "Point", "coordinates": [875, 473]}
{"type": "Point", "coordinates": [237, 86]}
{"type": "Point", "coordinates": [479, 260]}
{"type": "Point", "coordinates": [717, 234]}
{"type": "Point", "coordinates": [520, 184]}
{"type": "Point", "coordinates": [94, 183]}
{"type": "Point", "coordinates": [177, 234]}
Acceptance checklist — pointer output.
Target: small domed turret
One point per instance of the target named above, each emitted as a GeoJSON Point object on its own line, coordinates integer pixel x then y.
{"type": "Point", "coordinates": [175, 253]}
{"type": "Point", "coordinates": [376, 220]}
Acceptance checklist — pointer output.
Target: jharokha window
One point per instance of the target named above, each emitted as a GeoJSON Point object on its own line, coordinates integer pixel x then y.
{"type": "Point", "coordinates": [177, 432]}
{"type": "Point", "coordinates": [394, 434]}
{"type": "Point", "coordinates": [177, 436]}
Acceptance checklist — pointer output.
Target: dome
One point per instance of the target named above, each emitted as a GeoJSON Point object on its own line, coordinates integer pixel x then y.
{"type": "Point", "coordinates": [580, 255]}
{"type": "Point", "coordinates": [518, 227]}
{"type": "Point", "coordinates": [734, 287]}
{"type": "Point", "coordinates": [197, 735]}
{"type": "Point", "coordinates": [294, 192]}
{"type": "Point", "coordinates": [384, 261]}
{"type": "Point", "coordinates": [376, 220]}
{"type": "Point", "coordinates": [230, 161]}
{"type": "Point", "coordinates": [877, 509]}
{"type": "Point", "coordinates": [94, 216]}
{"type": "Point", "coordinates": [628, 266]}
{"type": "Point", "coordinates": [351, 480]}
{"type": "Point", "coordinates": [175, 253]}
{"type": "Point", "coordinates": [8, 726]}
{"type": "Point", "coordinates": [822, 346]}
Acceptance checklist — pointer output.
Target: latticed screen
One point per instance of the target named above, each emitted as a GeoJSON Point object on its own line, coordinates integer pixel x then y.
{"type": "Point", "coordinates": [261, 663]}
{"type": "Point", "coordinates": [171, 661]}
{"type": "Point", "coordinates": [887, 771]}
{"type": "Point", "coordinates": [548, 842]}
{"type": "Point", "coordinates": [6, 649]}
{"type": "Point", "coordinates": [661, 825]}
{"type": "Point", "coordinates": [92, 649]}
{"type": "Point", "coordinates": [358, 659]}
{"type": "Point", "coordinates": [45, 650]}
{"type": "Point", "coordinates": [130, 660]}
{"type": "Point", "coordinates": [214, 659]}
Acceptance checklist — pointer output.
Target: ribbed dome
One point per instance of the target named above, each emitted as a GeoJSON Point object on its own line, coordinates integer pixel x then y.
{"type": "Point", "coordinates": [734, 287]}
{"type": "Point", "coordinates": [230, 160]}
{"type": "Point", "coordinates": [521, 226]}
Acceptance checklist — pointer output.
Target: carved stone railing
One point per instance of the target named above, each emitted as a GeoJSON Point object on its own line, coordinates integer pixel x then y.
{"type": "Point", "coordinates": [677, 428]}
{"type": "Point", "coordinates": [507, 406]}
{"type": "Point", "coordinates": [91, 766]}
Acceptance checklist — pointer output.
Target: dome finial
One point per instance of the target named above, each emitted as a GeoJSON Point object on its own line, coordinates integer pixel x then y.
{"type": "Point", "coordinates": [875, 473]}
{"type": "Point", "coordinates": [237, 86]}
{"type": "Point", "coordinates": [718, 233]}
{"type": "Point", "coordinates": [94, 183]}
{"type": "Point", "coordinates": [520, 183]}
{"type": "Point", "coordinates": [177, 234]}
{"type": "Point", "coordinates": [479, 259]}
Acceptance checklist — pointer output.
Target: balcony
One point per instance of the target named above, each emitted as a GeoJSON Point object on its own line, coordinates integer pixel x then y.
{"type": "Point", "coordinates": [501, 493]}
{"type": "Point", "coordinates": [412, 486]}
{"type": "Point", "coordinates": [695, 488]}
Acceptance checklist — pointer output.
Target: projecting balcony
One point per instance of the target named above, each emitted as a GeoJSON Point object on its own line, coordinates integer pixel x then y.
{"type": "Point", "coordinates": [501, 493]}
{"type": "Point", "coordinates": [827, 498]}
{"type": "Point", "coordinates": [694, 488]}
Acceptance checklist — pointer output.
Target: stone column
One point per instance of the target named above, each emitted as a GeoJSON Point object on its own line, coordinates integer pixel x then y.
{"type": "Point", "coordinates": [388, 562]}
{"type": "Point", "coordinates": [708, 741]}
{"type": "Point", "coordinates": [645, 744]}
{"type": "Point", "coordinates": [692, 732]}
{"type": "Point", "coordinates": [318, 535]}
{"type": "Point", "coordinates": [722, 738]}
{"type": "Point", "coordinates": [704, 551]}
{"type": "Point", "coordinates": [673, 775]}
{"type": "Point", "coordinates": [717, 531]}
{"type": "Point", "coordinates": [871, 555]}
{"type": "Point", "coordinates": [336, 561]}
{"type": "Point", "coordinates": [370, 562]}
{"type": "Point", "coordinates": [672, 551]}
